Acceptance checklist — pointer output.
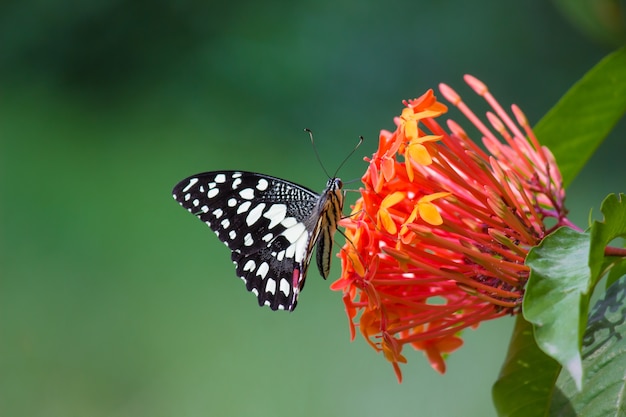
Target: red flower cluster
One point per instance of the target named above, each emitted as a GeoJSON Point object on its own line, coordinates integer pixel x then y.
{"type": "Point", "coordinates": [438, 238]}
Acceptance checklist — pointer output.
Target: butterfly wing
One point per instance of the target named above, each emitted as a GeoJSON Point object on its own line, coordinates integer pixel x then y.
{"type": "Point", "coordinates": [266, 222]}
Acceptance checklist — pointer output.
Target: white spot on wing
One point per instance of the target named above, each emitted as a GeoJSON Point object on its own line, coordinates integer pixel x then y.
{"type": "Point", "coordinates": [236, 183]}
{"type": "Point", "coordinates": [276, 214]}
{"type": "Point", "coordinates": [196, 202]}
{"type": "Point", "coordinates": [284, 286]}
{"type": "Point", "coordinates": [213, 192]}
{"type": "Point", "coordinates": [267, 237]}
{"type": "Point", "coordinates": [255, 214]}
{"type": "Point", "coordinates": [270, 286]}
{"type": "Point", "coordinates": [255, 291]}
{"type": "Point", "coordinates": [289, 222]}
{"type": "Point", "coordinates": [218, 213]}
{"type": "Point", "coordinates": [249, 266]}
{"type": "Point", "coordinates": [220, 178]}
{"type": "Point", "coordinates": [237, 175]}
{"type": "Point", "coordinates": [294, 232]}
{"type": "Point", "coordinates": [192, 182]}
{"type": "Point", "coordinates": [232, 234]}
{"type": "Point", "coordinates": [247, 240]}
{"type": "Point", "coordinates": [262, 184]}
{"type": "Point", "coordinates": [297, 250]}
{"type": "Point", "coordinates": [247, 193]}
{"type": "Point", "coordinates": [243, 207]}
{"type": "Point", "coordinates": [205, 209]}
{"type": "Point", "coordinates": [225, 223]}
{"type": "Point", "coordinates": [232, 202]}
{"type": "Point", "coordinates": [263, 269]}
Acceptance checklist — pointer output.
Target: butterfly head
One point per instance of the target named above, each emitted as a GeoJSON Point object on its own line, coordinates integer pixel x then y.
{"type": "Point", "coordinates": [334, 184]}
{"type": "Point", "coordinates": [334, 187]}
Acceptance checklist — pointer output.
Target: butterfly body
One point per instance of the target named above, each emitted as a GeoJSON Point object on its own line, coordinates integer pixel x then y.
{"type": "Point", "coordinates": [270, 225]}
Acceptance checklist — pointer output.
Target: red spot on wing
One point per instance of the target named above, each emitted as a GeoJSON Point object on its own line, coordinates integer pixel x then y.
{"type": "Point", "coordinates": [295, 279]}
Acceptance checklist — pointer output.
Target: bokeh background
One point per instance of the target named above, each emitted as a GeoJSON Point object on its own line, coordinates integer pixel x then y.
{"type": "Point", "coordinates": [116, 302]}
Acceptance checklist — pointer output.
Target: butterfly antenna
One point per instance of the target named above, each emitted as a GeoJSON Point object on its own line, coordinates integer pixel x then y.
{"type": "Point", "coordinates": [349, 155]}
{"type": "Point", "coordinates": [317, 155]}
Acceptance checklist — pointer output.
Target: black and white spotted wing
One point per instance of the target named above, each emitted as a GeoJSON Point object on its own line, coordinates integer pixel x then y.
{"type": "Point", "coordinates": [269, 224]}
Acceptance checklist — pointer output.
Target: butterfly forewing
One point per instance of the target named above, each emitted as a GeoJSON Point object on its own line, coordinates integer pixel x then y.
{"type": "Point", "coordinates": [269, 224]}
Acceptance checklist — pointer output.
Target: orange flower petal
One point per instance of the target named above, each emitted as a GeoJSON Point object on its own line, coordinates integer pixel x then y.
{"type": "Point", "coordinates": [419, 154]}
{"type": "Point", "coordinates": [430, 214]}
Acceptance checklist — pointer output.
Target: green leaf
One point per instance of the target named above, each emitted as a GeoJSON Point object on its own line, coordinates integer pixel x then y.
{"type": "Point", "coordinates": [604, 363]}
{"type": "Point", "coordinates": [525, 384]}
{"type": "Point", "coordinates": [556, 299]}
{"type": "Point", "coordinates": [584, 116]}
{"type": "Point", "coordinates": [603, 232]}
{"type": "Point", "coordinates": [618, 271]}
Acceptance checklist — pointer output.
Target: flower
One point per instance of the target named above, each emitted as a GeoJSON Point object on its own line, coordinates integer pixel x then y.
{"type": "Point", "coordinates": [437, 240]}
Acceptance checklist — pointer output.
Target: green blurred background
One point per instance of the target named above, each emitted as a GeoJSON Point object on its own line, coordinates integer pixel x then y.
{"type": "Point", "coordinates": [116, 302]}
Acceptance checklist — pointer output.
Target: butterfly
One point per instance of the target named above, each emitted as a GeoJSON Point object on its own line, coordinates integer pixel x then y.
{"type": "Point", "coordinates": [270, 225]}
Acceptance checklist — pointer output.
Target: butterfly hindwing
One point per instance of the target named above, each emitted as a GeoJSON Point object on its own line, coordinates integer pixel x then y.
{"type": "Point", "coordinates": [268, 224]}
